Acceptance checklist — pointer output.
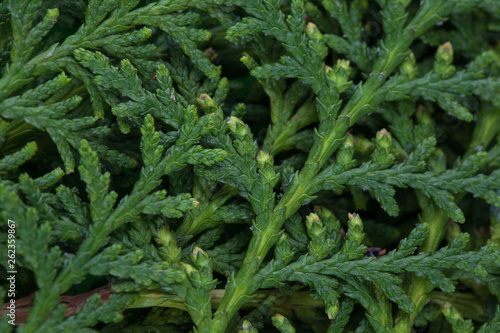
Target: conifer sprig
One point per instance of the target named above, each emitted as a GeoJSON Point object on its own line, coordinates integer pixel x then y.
{"type": "Point", "coordinates": [342, 177]}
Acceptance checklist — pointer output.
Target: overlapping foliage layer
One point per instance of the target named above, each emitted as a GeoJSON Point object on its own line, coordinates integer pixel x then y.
{"type": "Point", "coordinates": [252, 165]}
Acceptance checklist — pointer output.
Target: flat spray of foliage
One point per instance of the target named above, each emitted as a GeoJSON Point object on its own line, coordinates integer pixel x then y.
{"type": "Point", "coordinates": [252, 165]}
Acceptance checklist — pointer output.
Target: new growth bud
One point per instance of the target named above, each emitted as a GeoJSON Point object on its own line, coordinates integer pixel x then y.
{"type": "Point", "coordinates": [263, 158]}
{"type": "Point", "coordinates": [312, 220]}
{"type": "Point", "coordinates": [265, 164]}
{"type": "Point", "coordinates": [247, 327]}
{"type": "Point", "coordinates": [355, 221]}
{"type": "Point", "coordinates": [444, 58]}
{"type": "Point", "coordinates": [248, 61]}
{"type": "Point", "coordinates": [408, 67]}
{"type": "Point", "coordinates": [52, 15]}
{"type": "Point", "coordinates": [346, 152]}
{"type": "Point", "coordinates": [237, 127]}
{"type": "Point", "coordinates": [279, 318]}
{"type": "Point", "coordinates": [188, 269]}
{"type": "Point", "coordinates": [314, 226]}
{"type": "Point", "coordinates": [345, 65]}
{"type": "Point", "coordinates": [338, 76]}
{"type": "Point", "coordinates": [282, 324]}
{"type": "Point", "coordinates": [164, 237]}
{"type": "Point", "coordinates": [446, 309]}
{"type": "Point", "coordinates": [168, 246]}
{"type": "Point", "coordinates": [383, 143]}
{"type": "Point", "coordinates": [384, 139]}
{"type": "Point", "coordinates": [328, 219]}
{"type": "Point", "coordinates": [199, 257]}
{"type": "Point", "coordinates": [451, 314]}
{"type": "Point", "coordinates": [206, 101]}
{"type": "Point", "coordinates": [313, 32]}
{"type": "Point", "coordinates": [355, 229]}
{"type": "Point", "coordinates": [332, 311]}
{"type": "Point", "coordinates": [445, 53]}
{"type": "Point", "coordinates": [283, 250]}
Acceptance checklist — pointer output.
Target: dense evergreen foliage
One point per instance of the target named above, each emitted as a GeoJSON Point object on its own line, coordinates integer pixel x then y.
{"type": "Point", "coordinates": [250, 165]}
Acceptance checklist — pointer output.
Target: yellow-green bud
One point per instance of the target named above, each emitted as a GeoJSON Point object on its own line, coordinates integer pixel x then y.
{"type": "Point", "coordinates": [444, 58]}
{"type": "Point", "coordinates": [199, 257]}
{"type": "Point", "coordinates": [355, 220]}
{"type": "Point", "coordinates": [205, 101]}
{"type": "Point", "coordinates": [188, 269]}
{"type": "Point", "coordinates": [384, 139]}
{"type": "Point", "coordinates": [168, 250]}
{"type": "Point", "coordinates": [281, 323]}
{"type": "Point", "coordinates": [248, 61]}
{"type": "Point", "coordinates": [312, 220]}
{"type": "Point", "coordinates": [313, 31]}
{"type": "Point", "coordinates": [53, 14]}
{"type": "Point", "coordinates": [196, 252]}
{"type": "Point", "coordinates": [324, 213]}
{"type": "Point", "coordinates": [445, 53]}
{"type": "Point", "coordinates": [314, 226]}
{"type": "Point", "coordinates": [339, 75]}
{"type": "Point", "coordinates": [247, 327]}
{"type": "Point", "coordinates": [327, 217]}
{"type": "Point", "coordinates": [408, 66]}
{"type": "Point", "coordinates": [451, 313]}
{"type": "Point", "coordinates": [278, 318]}
{"type": "Point", "coordinates": [283, 250]}
{"type": "Point", "coordinates": [165, 237]}
{"type": "Point", "coordinates": [237, 127]}
{"type": "Point", "coordinates": [346, 151]}
{"type": "Point", "coordinates": [332, 311]}
{"type": "Point", "coordinates": [446, 309]}
{"type": "Point", "coordinates": [345, 65]}
{"type": "Point", "coordinates": [263, 158]}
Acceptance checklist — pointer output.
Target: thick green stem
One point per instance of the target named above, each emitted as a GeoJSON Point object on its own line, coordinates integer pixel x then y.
{"type": "Point", "coordinates": [419, 289]}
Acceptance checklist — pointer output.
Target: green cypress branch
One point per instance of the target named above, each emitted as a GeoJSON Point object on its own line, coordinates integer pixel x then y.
{"type": "Point", "coordinates": [194, 196]}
